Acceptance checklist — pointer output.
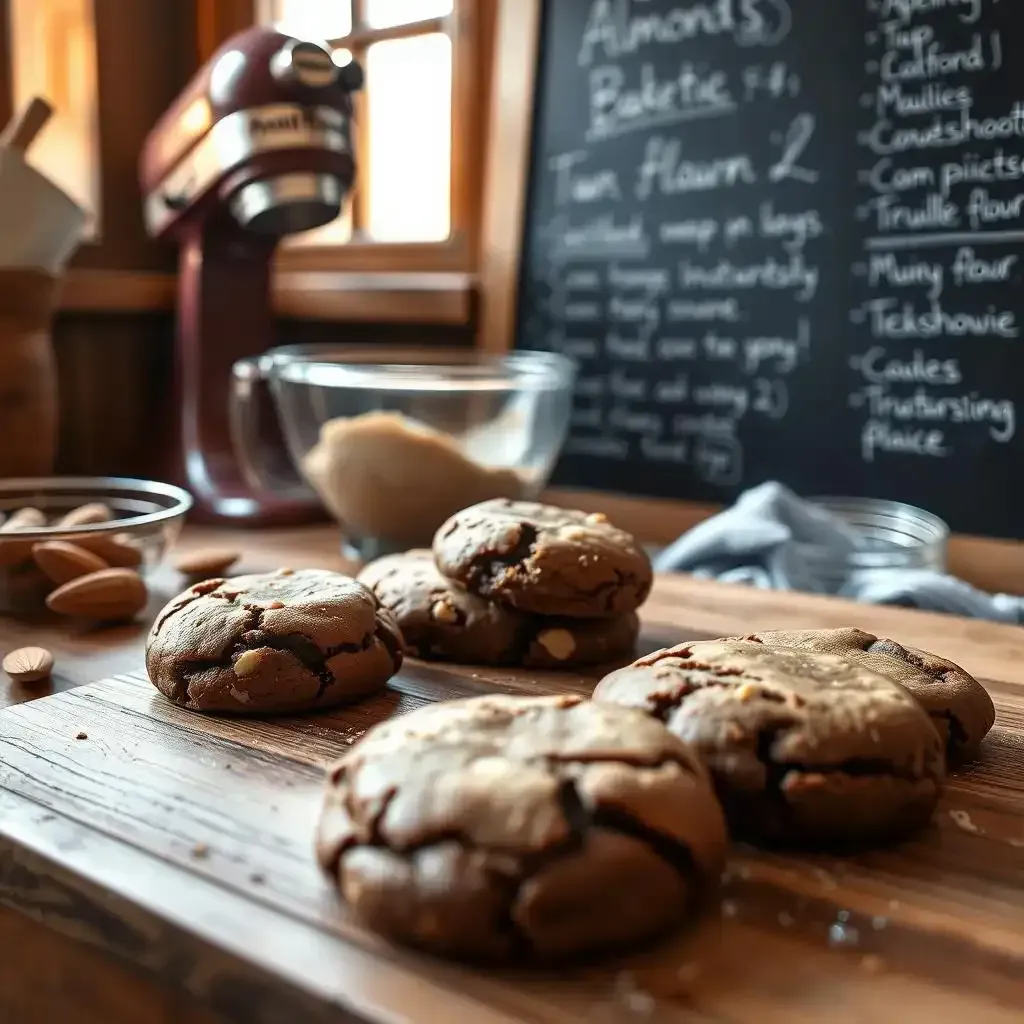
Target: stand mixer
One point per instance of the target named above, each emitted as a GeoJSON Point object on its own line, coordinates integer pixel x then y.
{"type": "Point", "coordinates": [258, 146]}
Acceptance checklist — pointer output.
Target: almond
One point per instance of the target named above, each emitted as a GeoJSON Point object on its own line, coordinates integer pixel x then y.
{"type": "Point", "coordinates": [29, 664]}
{"type": "Point", "coordinates": [62, 562]}
{"type": "Point", "coordinates": [115, 549]}
{"type": "Point", "coordinates": [110, 595]}
{"type": "Point", "coordinates": [207, 562]}
{"type": "Point", "coordinates": [14, 552]}
{"type": "Point", "coordinates": [87, 515]}
{"type": "Point", "coordinates": [25, 519]}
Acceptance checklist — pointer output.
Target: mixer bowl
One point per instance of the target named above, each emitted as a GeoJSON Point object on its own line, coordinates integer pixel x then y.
{"type": "Point", "coordinates": [395, 441]}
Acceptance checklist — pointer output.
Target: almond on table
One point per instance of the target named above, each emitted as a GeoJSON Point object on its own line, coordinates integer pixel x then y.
{"type": "Point", "coordinates": [28, 664]}
{"type": "Point", "coordinates": [207, 562]}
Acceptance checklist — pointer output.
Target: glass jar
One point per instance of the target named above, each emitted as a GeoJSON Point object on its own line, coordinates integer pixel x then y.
{"type": "Point", "coordinates": [891, 536]}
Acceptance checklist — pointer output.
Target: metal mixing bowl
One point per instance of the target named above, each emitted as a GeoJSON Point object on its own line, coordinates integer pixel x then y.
{"type": "Point", "coordinates": [148, 515]}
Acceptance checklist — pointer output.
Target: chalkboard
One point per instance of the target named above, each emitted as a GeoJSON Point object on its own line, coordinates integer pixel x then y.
{"type": "Point", "coordinates": [782, 239]}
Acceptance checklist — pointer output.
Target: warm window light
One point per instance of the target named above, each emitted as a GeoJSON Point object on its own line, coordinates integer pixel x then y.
{"type": "Point", "coordinates": [309, 19]}
{"type": "Point", "coordinates": [403, 138]}
{"type": "Point", "coordinates": [53, 55]}
{"type": "Point", "coordinates": [409, 90]}
{"type": "Point", "coordinates": [388, 13]}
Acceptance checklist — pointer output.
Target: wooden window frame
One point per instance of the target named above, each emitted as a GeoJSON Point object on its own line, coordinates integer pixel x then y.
{"type": "Point", "coordinates": [376, 282]}
{"type": "Point", "coordinates": [516, 50]}
{"type": "Point", "coordinates": [467, 27]}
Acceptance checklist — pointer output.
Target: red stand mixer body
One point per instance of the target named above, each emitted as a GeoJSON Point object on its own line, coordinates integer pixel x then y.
{"type": "Point", "coordinates": [257, 147]}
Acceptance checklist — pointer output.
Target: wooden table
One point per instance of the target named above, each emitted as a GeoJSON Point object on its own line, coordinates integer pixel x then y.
{"type": "Point", "coordinates": [161, 869]}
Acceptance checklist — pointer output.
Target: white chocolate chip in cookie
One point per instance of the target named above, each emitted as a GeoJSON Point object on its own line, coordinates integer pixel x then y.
{"type": "Point", "coordinates": [559, 643]}
{"type": "Point", "coordinates": [247, 664]}
{"type": "Point", "coordinates": [576, 533]}
{"type": "Point", "coordinates": [442, 611]}
{"type": "Point", "coordinates": [240, 695]}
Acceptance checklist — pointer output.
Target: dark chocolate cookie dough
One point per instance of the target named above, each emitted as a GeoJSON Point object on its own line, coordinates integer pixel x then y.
{"type": "Point", "coordinates": [279, 642]}
{"type": "Point", "coordinates": [803, 747]}
{"type": "Point", "coordinates": [520, 828]}
{"type": "Point", "coordinates": [959, 706]}
{"type": "Point", "coordinates": [542, 559]}
{"type": "Point", "coordinates": [442, 622]}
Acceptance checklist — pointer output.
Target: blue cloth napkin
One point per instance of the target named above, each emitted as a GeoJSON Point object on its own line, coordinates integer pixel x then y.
{"type": "Point", "coordinates": [757, 541]}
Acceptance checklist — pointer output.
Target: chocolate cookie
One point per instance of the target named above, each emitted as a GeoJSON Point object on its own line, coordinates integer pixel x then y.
{"type": "Point", "coordinates": [284, 641]}
{"type": "Point", "coordinates": [959, 706]}
{"type": "Point", "coordinates": [803, 747]}
{"type": "Point", "coordinates": [542, 559]}
{"type": "Point", "coordinates": [441, 622]}
{"type": "Point", "coordinates": [520, 828]}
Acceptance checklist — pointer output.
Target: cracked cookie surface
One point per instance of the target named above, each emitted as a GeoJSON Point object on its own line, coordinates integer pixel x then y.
{"type": "Point", "coordinates": [520, 828]}
{"type": "Point", "coordinates": [959, 706]}
{"type": "Point", "coordinates": [543, 559]}
{"type": "Point", "coordinates": [271, 643]}
{"type": "Point", "coordinates": [441, 622]}
{"type": "Point", "coordinates": [804, 747]}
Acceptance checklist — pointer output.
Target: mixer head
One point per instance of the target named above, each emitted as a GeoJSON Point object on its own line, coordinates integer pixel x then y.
{"type": "Point", "coordinates": [259, 141]}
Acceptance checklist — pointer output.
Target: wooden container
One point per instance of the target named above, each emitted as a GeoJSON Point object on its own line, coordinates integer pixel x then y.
{"type": "Point", "coordinates": [28, 375]}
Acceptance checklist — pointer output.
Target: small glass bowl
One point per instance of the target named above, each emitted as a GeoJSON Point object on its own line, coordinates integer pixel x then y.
{"type": "Point", "coordinates": [895, 536]}
{"type": "Point", "coordinates": [148, 516]}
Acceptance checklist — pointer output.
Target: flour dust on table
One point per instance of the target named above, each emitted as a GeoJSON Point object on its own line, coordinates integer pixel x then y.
{"type": "Point", "coordinates": [780, 237]}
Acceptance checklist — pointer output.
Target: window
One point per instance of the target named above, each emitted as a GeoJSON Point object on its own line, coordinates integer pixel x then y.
{"type": "Point", "coordinates": [53, 55]}
{"type": "Point", "coordinates": [414, 119]}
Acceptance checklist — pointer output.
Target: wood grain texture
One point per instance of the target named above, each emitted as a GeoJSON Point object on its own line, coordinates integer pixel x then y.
{"type": "Point", "coordinates": [50, 973]}
{"type": "Point", "coordinates": [182, 845]}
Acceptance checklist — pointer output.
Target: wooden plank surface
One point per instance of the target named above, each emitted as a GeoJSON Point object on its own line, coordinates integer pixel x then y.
{"type": "Point", "coordinates": [183, 845]}
{"type": "Point", "coordinates": [180, 848]}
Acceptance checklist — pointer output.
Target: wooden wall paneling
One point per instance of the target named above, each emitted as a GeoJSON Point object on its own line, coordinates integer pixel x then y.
{"type": "Point", "coordinates": [6, 104]}
{"type": "Point", "coordinates": [218, 20]}
{"type": "Point", "coordinates": [147, 54]}
{"type": "Point", "coordinates": [311, 332]}
{"type": "Point", "coordinates": [507, 162]}
{"type": "Point", "coordinates": [114, 373]}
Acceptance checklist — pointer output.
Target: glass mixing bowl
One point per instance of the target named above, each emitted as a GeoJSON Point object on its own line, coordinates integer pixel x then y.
{"type": "Point", "coordinates": [395, 441]}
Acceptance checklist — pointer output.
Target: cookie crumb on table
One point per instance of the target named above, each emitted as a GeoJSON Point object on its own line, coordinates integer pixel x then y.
{"type": "Point", "coordinates": [82, 736]}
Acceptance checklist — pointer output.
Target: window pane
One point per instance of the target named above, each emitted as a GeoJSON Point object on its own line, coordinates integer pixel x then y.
{"type": "Point", "coordinates": [387, 13]}
{"type": "Point", "coordinates": [309, 19]}
{"type": "Point", "coordinates": [53, 55]}
{"type": "Point", "coordinates": [409, 100]}
{"type": "Point", "coordinates": [339, 231]}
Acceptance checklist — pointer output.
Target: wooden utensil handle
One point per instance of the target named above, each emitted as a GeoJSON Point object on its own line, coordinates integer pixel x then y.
{"type": "Point", "coordinates": [25, 126]}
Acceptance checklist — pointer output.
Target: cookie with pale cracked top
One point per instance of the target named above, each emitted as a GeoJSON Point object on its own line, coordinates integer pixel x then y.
{"type": "Point", "coordinates": [441, 622]}
{"type": "Point", "coordinates": [520, 828]}
{"type": "Point", "coordinates": [542, 559]}
{"type": "Point", "coordinates": [285, 641]}
{"type": "Point", "coordinates": [959, 706]}
{"type": "Point", "coordinates": [804, 747]}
